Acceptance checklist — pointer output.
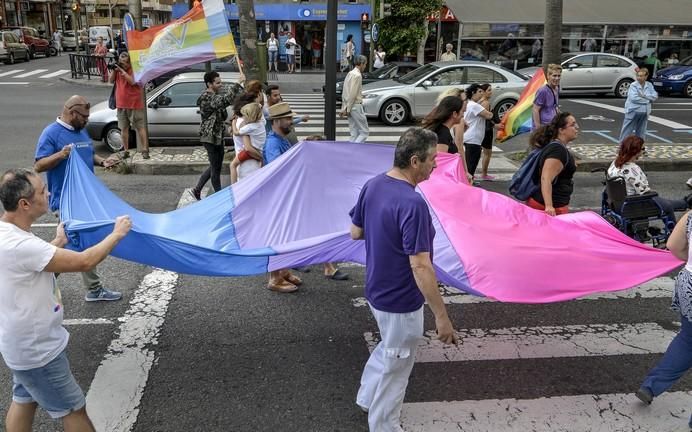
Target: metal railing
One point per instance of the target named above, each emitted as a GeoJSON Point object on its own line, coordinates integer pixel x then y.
{"type": "Point", "coordinates": [82, 65]}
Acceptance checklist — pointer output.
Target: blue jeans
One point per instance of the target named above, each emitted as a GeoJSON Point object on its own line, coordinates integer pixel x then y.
{"type": "Point", "coordinates": [272, 56]}
{"type": "Point", "coordinates": [675, 362]}
{"type": "Point", "coordinates": [52, 386]}
{"type": "Point", "coordinates": [634, 124]}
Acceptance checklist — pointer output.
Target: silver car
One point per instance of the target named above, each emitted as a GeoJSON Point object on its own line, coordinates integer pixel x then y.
{"type": "Point", "coordinates": [414, 94]}
{"type": "Point", "coordinates": [11, 48]}
{"type": "Point", "coordinates": [594, 72]}
{"type": "Point", "coordinates": [172, 113]}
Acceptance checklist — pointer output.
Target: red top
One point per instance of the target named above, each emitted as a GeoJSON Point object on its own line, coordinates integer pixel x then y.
{"type": "Point", "coordinates": [316, 44]}
{"type": "Point", "coordinates": [126, 95]}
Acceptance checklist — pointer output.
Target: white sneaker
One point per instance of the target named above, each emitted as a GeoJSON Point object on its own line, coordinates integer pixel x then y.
{"type": "Point", "coordinates": [689, 182]}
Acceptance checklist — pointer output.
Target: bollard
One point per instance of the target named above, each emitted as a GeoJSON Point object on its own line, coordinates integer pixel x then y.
{"type": "Point", "coordinates": [262, 58]}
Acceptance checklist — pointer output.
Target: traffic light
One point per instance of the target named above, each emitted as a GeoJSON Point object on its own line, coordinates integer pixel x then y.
{"type": "Point", "coordinates": [364, 20]}
{"type": "Point", "coordinates": [75, 7]}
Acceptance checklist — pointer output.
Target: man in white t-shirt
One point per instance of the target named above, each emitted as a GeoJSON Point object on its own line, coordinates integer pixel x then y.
{"type": "Point", "coordinates": [32, 338]}
{"type": "Point", "coordinates": [291, 53]}
{"type": "Point", "coordinates": [475, 117]}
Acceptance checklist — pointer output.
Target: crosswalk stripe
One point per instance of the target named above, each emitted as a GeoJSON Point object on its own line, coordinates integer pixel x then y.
{"type": "Point", "coordinates": [11, 72]}
{"type": "Point", "coordinates": [54, 74]}
{"type": "Point", "coordinates": [581, 413]}
{"type": "Point", "coordinates": [656, 288]}
{"type": "Point", "coordinates": [30, 73]}
{"type": "Point", "coordinates": [513, 343]}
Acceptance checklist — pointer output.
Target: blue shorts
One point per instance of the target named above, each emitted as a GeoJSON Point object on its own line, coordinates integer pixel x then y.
{"type": "Point", "coordinates": [291, 58]}
{"type": "Point", "coordinates": [52, 386]}
{"type": "Point", "coordinates": [272, 56]}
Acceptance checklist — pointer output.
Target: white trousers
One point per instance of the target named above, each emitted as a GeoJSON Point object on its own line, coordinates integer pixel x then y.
{"type": "Point", "coordinates": [358, 124]}
{"type": "Point", "coordinates": [385, 377]}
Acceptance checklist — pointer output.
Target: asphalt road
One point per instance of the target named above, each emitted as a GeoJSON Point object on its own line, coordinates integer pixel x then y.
{"type": "Point", "coordinates": [229, 355]}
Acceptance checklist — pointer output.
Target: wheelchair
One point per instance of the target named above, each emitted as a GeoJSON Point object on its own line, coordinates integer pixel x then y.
{"type": "Point", "coordinates": [633, 215]}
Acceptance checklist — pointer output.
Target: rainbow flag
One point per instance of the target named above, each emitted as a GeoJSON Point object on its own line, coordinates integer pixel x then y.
{"type": "Point", "coordinates": [200, 35]}
{"type": "Point", "coordinates": [518, 120]}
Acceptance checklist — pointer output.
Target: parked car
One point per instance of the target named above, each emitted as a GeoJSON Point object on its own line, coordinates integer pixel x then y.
{"type": "Point", "coordinates": [172, 113]}
{"type": "Point", "coordinates": [675, 79]}
{"type": "Point", "coordinates": [69, 40]}
{"type": "Point", "coordinates": [31, 37]}
{"type": "Point", "coordinates": [11, 48]}
{"type": "Point", "coordinates": [391, 70]}
{"type": "Point", "coordinates": [225, 64]}
{"type": "Point", "coordinates": [594, 72]}
{"type": "Point", "coordinates": [101, 31]}
{"type": "Point", "coordinates": [414, 94]}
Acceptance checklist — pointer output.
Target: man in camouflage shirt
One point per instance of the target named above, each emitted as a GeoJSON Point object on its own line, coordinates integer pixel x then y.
{"type": "Point", "coordinates": [212, 107]}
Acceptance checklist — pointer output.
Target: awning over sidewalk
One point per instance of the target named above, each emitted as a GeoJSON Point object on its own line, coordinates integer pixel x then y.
{"type": "Point", "coordinates": [670, 12]}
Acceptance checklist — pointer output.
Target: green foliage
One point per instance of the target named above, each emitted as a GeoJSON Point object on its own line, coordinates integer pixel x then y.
{"type": "Point", "coordinates": [402, 31]}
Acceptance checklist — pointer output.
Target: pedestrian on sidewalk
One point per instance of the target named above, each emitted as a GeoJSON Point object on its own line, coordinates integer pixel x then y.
{"type": "Point", "coordinates": [33, 341]}
{"type": "Point", "coordinates": [638, 106]}
{"type": "Point", "coordinates": [212, 108]}
{"type": "Point", "coordinates": [277, 144]}
{"type": "Point", "coordinates": [129, 101]}
{"type": "Point", "coordinates": [556, 166]}
{"type": "Point", "coordinates": [546, 105]}
{"type": "Point", "coordinates": [677, 359]}
{"type": "Point", "coordinates": [100, 51]}
{"type": "Point", "coordinates": [397, 228]}
{"type": "Point", "coordinates": [273, 50]}
{"type": "Point", "coordinates": [352, 101]}
{"type": "Point", "coordinates": [57, 141]}
{"type": "Point", "coordinates": [291, 53]}
{"type": "Point", "coordinates": [636, 182]}
{"type": "Point", "coordinates": [57, 41]}
{"type": "Point", "coordinates": [350, 51]}
{"type": "Point", "coordinates": [448, 55]}
{"type": "Point", "coordinates": [489, 136]}
{"type": "Point", "coordinates": [475, 118]}
{"type": "Point", "coordinates": [380, 55]}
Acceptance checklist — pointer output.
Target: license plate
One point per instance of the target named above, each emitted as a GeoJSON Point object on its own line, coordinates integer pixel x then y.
{"type": "Point", "coordinates": [658, 84]}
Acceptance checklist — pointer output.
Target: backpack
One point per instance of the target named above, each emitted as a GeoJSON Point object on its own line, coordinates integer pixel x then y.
{"type": "Point", "coordinates": [524, 182]}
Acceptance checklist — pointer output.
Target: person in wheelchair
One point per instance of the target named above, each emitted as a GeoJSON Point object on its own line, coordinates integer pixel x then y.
{"type": "Point", "coordinates": [636, 182]}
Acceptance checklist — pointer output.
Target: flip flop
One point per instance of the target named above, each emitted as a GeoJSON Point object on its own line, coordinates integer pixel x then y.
{"type": "Point", "coordinates": [338, 275]}
{"type": "Point", "coordinates": [295, 280]}
{"type": "Point", "coordinates": [284, 287]}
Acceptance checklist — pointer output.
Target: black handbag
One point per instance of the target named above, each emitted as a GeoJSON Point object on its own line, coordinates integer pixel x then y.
{"type": "Point", "coordinates": [111, 99]}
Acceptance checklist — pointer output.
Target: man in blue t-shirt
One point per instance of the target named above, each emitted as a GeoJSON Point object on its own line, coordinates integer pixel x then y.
{"type": "Point", "coordinates": [57, 140]}
{"type": "Point", "coordinates": [396, 225]}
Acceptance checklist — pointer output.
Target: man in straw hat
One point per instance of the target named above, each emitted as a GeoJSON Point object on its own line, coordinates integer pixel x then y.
{"type": "Point", "coordinates": [281, 117]}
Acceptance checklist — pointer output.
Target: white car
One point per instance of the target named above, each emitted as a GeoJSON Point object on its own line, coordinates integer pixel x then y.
{"type": "Point", "coordinates": [413, 95]}
{"type": "Point", "coordinates": [594, 72]}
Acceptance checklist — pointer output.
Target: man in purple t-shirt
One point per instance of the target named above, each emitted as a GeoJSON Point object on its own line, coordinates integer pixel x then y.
{"type": "Point", "coordinates": [546, 103]}
{"type": "Point", "coordinates": [396, 225]}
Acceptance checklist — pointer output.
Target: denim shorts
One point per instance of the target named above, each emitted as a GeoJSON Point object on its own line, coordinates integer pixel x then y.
{"type": "Point", "coordinates": [272, 56]}
{"type": "Point", "coordinates": [290, 58]}
{"type": "Point", "coordinates": [52, 386]}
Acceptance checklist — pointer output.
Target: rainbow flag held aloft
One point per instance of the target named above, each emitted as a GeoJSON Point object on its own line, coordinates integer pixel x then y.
{"type": "Point", "coordinates": [200, 35]}
{"type": "Point", "coordinates": [518, 120]}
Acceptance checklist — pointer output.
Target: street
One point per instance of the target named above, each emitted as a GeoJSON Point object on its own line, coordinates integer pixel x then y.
{"type": "Point", "coordinates": [187, 353]}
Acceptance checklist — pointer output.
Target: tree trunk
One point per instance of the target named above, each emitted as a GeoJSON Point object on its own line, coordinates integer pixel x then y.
{"type": "Point", "coordinates": [552, 33]}
{"type": "Point", "coordinates": [420, 55]}
{"type": "Point", "coordinates": [248, 38]}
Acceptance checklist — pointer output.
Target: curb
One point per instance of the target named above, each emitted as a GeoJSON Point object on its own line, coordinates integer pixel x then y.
{"type": "Point", "coordinates": [646, 165]}
{"type": "Point", "coordinates": [173, 168]}
{"type": "Point", "coordinates": [85, 82]}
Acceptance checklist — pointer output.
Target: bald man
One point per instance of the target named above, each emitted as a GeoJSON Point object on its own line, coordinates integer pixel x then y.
{"type": "Point", "coordinates": [57, 140]}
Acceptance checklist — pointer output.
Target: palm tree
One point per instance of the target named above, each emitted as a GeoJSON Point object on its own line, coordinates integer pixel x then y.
{"type": "Point", "coordinates": [552, 32]}
{"type": "Point", "coordinates": [248, 38]}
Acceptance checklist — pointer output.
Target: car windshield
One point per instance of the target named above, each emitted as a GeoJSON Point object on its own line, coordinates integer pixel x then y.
{"type": "Point", "coordinates": [565, 57]}
{"type": "Point", "coordinates": [382, 72]}
{"type": "Point", "coordinates": [417, 74]}
{"type": "Point", "coordinates": [686, 61]}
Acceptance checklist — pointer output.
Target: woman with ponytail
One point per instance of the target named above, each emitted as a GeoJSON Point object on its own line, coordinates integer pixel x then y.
{"type": "Point", "coordinates": [556, 164]}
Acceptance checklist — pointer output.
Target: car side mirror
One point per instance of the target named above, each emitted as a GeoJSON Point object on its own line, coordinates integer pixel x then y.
{"type": "Point", "coordinates": [153, 104]}
{"type": "Point", "coordinates": [426, 84]}
{"type": "Point", "coordinates": [572, 66]}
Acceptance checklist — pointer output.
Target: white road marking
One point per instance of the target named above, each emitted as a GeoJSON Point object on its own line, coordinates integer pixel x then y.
{"type": "Point", "coordinates": [581, 413]}
{"type": "Point", "coordinates": [54, 74]}
{"type": "Point", "coordinates": [11, 72]}
{"type": "Point", "coordinates": [653, 119]}
{"type": "Point", "coordinates": [513, 343]}
{"type": "Point", "coordinates": [119, 382]}
{"type": "Point", "coordinates": [15, 83]}
{"type": "Point", "coordinates": [33, 72]}
{"type": "Point", "coordinates": [657, 288]}
{"type": "Point", "coordinates": [44, 225]}
{"type": "Point", "coordinates": [86, 321]}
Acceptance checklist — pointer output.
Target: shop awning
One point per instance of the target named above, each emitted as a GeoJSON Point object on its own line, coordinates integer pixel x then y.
{"type": "Point", "coordinates": [664, 12]}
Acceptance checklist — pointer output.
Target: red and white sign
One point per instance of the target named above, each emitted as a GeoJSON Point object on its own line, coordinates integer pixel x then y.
{"type": "Point", "coordinates": [444, 14]}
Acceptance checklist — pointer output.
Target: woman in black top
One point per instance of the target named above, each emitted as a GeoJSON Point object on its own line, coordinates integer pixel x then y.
{"type": "Point", "coordinates": [445, 115]}
{"type": "Point", "coordinates": [556, 165]}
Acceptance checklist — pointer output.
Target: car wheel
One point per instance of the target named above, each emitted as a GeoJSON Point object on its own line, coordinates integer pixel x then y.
{"type": "Point", "coordinates": [31, 52]}
{"type": "Point", "coordinates": [622, 87]}
{"type": "Point", "coordinates": [687, 90]}
{"type": "Point", "coordinates": [502, 107]}
{"type": "Point", "coordinates": [27, 56]}
{"type": "Point", "coordinates": [52, 51]}
{"type": "Point", "coordinates": [394, 112]}
{"type": "Point", "coordinates": [10, 59]}
{"type": "Point", "coordinates": [112, 138]}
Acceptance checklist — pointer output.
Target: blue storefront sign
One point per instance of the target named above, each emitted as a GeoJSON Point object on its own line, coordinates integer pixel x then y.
{"type": "Point", "coordinates": [288, 12]}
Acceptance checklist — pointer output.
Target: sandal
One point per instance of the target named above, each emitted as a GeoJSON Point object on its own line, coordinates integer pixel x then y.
{"type": "Point", "coordinates": [338, 275]}
{"type": "Point", "coordinates": [295, 280]}
{"type": "Point", "coordinates": [282, 287]}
